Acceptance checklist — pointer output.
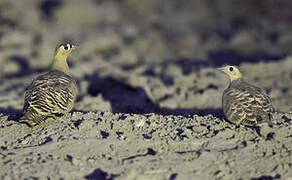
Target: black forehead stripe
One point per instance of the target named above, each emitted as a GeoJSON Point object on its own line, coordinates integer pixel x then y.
{"type": "Point", "coordinates": [65, 44]}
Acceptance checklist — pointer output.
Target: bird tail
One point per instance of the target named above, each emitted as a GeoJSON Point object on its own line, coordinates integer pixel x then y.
{"type": "Point", "coordinates": [31, 119]}
{"type": "Point", "coordinates": [27, 121]}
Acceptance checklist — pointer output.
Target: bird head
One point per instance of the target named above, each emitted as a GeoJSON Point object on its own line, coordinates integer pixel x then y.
{"type": "Point", "coordinates": [232, 71]}
{"type": "Point", "coordinates": [60, 58]}
{"type": "Point", "coordinates": [64, 50]}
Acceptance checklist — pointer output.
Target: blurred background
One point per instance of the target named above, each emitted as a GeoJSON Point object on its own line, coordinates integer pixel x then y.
{"type": "Point", "coordinates": [148, 56]}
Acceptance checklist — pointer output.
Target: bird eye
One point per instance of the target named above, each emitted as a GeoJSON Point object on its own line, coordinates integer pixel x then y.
{"type": "Point", "coordinates": [231, 69]}
{"type": "Point", "coordinates": [66, 47]}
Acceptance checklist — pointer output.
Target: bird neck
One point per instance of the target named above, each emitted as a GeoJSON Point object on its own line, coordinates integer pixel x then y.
{"type": "Point", "coordinates": [60, 64]}
{"type": "Point", "coordinates": [236, 77]}
{"type": "Point", "coordinates": [235, 82]}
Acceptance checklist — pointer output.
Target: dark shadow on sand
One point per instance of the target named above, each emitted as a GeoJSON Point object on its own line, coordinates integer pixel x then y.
{"type": "Point", "coordinates": [125, 99]}
{"type": "Point", "coordinates": [25, 69]}
{"type": "Point", "coordinates": [13, 114]}
{"type": "Point", "coordinates": [100, 175]}
{"type": "Point", "coordinates": [224, 57]}
{"type": "Point", "coordinates": [216, 59]}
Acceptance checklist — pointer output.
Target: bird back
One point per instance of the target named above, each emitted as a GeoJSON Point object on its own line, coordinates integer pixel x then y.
{"type": "Point", "coordinates": [50, 94]}
{"type": "Point", "coordinates": [246, 104]}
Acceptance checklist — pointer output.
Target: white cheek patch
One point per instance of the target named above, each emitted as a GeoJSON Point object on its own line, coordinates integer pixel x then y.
{"type": "Point", "coordinates": [69, 46]}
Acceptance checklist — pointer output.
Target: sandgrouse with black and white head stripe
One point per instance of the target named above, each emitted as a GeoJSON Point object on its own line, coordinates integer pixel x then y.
{"type": "Point", "coordinates": [51, 94]}
{"type": "Point", "coordinates": [244, 103]}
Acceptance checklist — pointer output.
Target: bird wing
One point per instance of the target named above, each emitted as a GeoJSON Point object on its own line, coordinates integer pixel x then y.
{"type": "Point", "coordinates": [246, 104]}
{"type": "Point", "coordinates": [51, 93]}
{"type": "Point", "coordinates": [262, 101]}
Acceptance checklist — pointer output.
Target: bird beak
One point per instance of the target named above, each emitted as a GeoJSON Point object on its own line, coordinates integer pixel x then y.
{"type": "Point", "coordinates": [75, 47]}
{"type": "Point", "coordinates": [221, 69]}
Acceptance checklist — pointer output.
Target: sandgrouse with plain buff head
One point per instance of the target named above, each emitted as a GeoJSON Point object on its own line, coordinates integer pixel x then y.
{"type": "Point", "coordinates": [53, 93]}
{"type": "Point", "coordinates": [244, 103]}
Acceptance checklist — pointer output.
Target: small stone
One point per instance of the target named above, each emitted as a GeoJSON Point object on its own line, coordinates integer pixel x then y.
{"type": "Point", "coordinates": [91, 160]}
{"type": "Point", "coordinates": [25, 141]}
{"type": "Point", "coordinates": [265, 130]}
{"type": "Point", "coordinates": [140, 123]}
{"type": "Point", "coordinates": [75, 161]}
{"type": "Point", "coordinates": [86, 125]}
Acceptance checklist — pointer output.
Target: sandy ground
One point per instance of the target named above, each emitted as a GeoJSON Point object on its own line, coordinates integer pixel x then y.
{"type": "Point", "coordinates": [149, 104]}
